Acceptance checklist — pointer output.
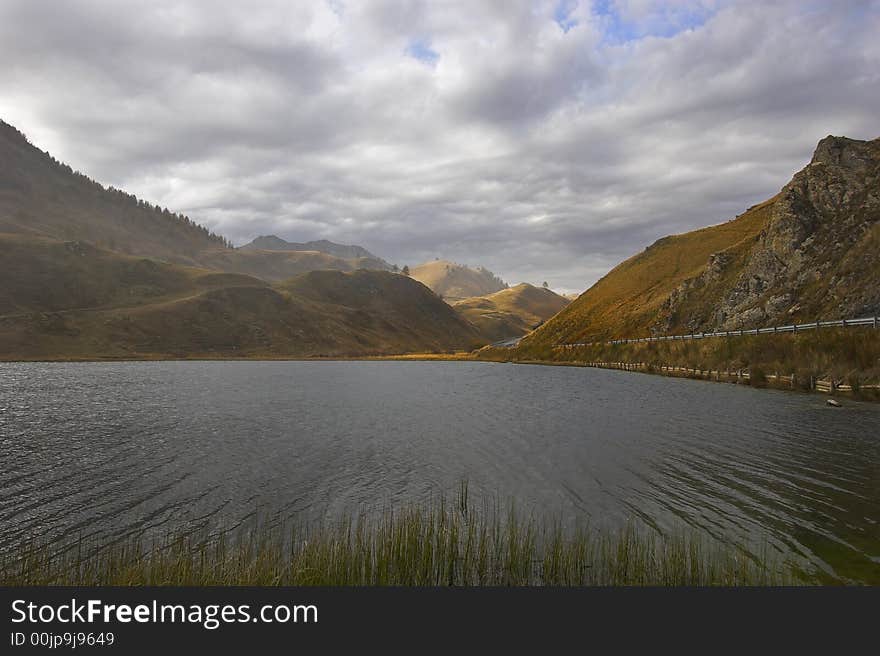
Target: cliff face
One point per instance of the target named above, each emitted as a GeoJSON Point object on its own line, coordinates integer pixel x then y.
{"type": "Point", "coordinates": [818, 255]}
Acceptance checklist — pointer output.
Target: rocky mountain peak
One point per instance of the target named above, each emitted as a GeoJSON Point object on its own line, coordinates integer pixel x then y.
{"type": "Point", "coordinates": [814, 258]}
{"type": "Point", "coordinates": [846, 153]}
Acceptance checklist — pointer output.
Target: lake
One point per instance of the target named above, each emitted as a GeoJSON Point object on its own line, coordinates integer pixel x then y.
{"type": "Point", "coordinates": [123, 448]}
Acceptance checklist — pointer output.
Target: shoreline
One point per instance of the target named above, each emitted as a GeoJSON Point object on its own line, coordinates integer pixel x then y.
{"type": "Point", "coordinates": [774, 382]}
{"type": "Point", "coordinates": [698, 375]}
{"type": "Point", "coordinates": [416, 357]}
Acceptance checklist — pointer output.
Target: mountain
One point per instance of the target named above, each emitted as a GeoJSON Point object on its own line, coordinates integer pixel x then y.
{"type": "Point", "coordinates": [42, 197]}
{"type": "Point", "coordinates": [276, 266]}
{"type": "Point", "coordinates": [400, 310]}
{"type": "Point", "coordinates": [273, 243]}
{"type": "Point", "coordinates": [63, 300]}
{"type": "Point", "coordinates": [511, 312]}
{"type": "Point", "coordinates": [455, 281]}
{"type": "Point", "coordinates": [91, 272]}
{"type": "Point", "coordinates": [809, 252]}
{"type": "Point", "coordinates": [43, 275]}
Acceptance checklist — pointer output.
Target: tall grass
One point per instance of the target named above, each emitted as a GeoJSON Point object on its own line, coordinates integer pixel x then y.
{"type": "Point", "coordinates": [437, 544]}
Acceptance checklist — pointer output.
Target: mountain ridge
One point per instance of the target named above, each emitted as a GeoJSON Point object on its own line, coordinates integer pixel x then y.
{"type": "Point", "coordinates": [808, 252]}
{"type": "Point", "coordinates": [344, 251]}
{"type": "Point", "coordinates": [42, 197]}
{"type": "Point", "coordinates": [93, 272]}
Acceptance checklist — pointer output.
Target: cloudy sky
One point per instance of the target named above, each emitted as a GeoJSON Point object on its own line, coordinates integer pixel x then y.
{"type": "Point", "coordinates": [544, 140]}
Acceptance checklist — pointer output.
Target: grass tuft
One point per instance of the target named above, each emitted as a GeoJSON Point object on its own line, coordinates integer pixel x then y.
{"type": "Point", "coordinates": [438, 544]}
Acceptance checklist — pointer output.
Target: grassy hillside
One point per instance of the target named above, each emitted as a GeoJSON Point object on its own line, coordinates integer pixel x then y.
{"type": "Point", "coordinates": [92, 272]}
{"type": "Point", "coordinates": [511, 312]}
{"type": "Point", "coordinates": [809, 252]}
{"type": "Point", "coordinates": [627, 300]}
{"type": "Point", "coordinates": [40, 196]}
{"type": "Point", "coordinates": [455, 281]}
{"type": "Point", "coordinates": [850, 357]}
{"type": "Point", "coordinates": [46, 275]}
{"type": "Point", "coordinates": [69, 300]}
{"type": "Point", "coordinates": [276, 265]}
{"type": "Point", "coordinates": [398, 308]}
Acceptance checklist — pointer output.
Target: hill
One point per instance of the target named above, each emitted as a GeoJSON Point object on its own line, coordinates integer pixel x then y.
{"type": "Point", "coordinates": [71, 300]}
{"type": "Point", "coordinates": [44, 275]}
{"type": "Point", "coordinates": [809, 252]}
{"type": "Point", "coordinates": [358, 254]}
{"type": "Point", "coordinates": [511, 312]}
{"type": "Point", "coordinates": [41, 197]}
{"type": "Point", "coordinates": [455, 281]}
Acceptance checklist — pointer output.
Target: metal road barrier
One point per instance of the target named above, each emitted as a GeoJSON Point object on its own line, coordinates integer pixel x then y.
{"type": "Point", "coordinates": [872, 322]}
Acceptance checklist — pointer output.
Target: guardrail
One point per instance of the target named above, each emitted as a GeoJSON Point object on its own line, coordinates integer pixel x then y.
{"type": "Point", "coordinates": [873, 322]}
{"type": "Point", "coordinates": [740, 376]}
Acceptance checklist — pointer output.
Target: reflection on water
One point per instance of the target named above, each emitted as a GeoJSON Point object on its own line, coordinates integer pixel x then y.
{"type": "Point", "coordinates": [121, 448]}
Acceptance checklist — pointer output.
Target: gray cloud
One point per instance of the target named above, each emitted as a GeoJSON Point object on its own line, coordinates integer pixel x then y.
{"type": "Point", "coordinates": [544, 146]}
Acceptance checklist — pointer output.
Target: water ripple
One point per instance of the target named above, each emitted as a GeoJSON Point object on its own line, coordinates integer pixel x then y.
{"type": "Point", "coordinates": [122, 449]}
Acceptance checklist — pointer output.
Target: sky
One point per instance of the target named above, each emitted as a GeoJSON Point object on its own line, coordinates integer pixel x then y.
{"type": "Point", "coordinates": [546, 141]}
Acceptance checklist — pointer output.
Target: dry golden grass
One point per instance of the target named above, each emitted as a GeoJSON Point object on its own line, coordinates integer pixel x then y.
{"type": "Point", "coordinates": [454, 281]}
{"type": "Point", "coordinates": [626, 301]}
{"type": "Point", "coordinates": [850, 356]}
{"type": "Point", "coordinates": [72, 301]}
{"type": "Point", "coordinates": [511, 312]}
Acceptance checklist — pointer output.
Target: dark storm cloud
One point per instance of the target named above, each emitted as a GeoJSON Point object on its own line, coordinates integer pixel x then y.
{"type": "Point", "coordinates": [546, 141]}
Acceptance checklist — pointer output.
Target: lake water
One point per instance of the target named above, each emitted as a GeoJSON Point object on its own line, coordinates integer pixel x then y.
{"type": "Point", "coordinates": [117, 448]}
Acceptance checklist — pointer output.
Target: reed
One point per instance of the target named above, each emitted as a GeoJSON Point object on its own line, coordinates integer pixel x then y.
{"type": "Point", "coordinates": [437, 544]}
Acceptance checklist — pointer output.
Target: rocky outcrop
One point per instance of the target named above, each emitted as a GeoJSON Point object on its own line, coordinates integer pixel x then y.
{"type": "Point", "coordinates": [818, 255]}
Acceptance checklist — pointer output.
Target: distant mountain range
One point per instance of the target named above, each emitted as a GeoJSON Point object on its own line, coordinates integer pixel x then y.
{"type": "Point", "coordinates": [273, 243]}
{"type": "Point", "coordinates": [336, 256]}
{"type": "Point", "coordinates": [812, 251]}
